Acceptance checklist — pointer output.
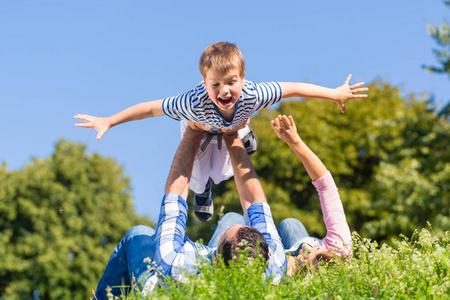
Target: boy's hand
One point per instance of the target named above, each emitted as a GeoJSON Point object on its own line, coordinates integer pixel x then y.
{"type": "Point", "coordinates": [102, 125]}
{"type": "Point", "coordinates": [285, 129]}
{"type": "Point", "coordinates": [346, 92]}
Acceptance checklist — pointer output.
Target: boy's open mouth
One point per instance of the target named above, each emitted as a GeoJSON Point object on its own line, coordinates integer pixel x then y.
{"type": "Point", "coordinates": [225, 102]}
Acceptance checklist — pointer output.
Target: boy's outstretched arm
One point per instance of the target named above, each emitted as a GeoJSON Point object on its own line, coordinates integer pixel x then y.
{"type": "Point", "coordinates": [137, 112]}
{"type": "Point", "coordinates": [340, 95]}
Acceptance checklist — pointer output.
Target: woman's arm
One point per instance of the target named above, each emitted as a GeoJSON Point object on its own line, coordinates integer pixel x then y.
{"type": "Point", "coordinates": [286, 130]}
{"type": "Point", "coordinates": [338, 237]}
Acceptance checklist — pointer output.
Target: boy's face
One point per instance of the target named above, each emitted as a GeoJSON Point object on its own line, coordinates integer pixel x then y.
{"type": "Point", "coordinates": [224, 89]}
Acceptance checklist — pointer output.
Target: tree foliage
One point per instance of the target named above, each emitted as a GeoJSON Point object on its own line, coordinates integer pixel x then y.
{"type": "Point", "coordinates": [60, 219]}
{"type": "Point", "coordinates": [389, 156]}
{"type": "Point", "coordinates": [441, 35]}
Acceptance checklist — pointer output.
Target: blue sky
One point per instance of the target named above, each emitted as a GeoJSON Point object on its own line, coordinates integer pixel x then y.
{"type": "Point", "coordinates": [60, 58]}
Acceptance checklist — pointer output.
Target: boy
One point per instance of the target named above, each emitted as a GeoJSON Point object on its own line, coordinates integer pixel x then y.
{"type": "Point", "coordinates": [224, 99]}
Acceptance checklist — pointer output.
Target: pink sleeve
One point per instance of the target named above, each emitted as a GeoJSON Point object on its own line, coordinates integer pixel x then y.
{"type": "Point", "coordinates": [338, 236]}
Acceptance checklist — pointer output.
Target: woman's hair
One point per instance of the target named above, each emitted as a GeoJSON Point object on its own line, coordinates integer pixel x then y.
{"type": "Point", "coordinates": [307, 264]}
{"type": "Point", "coordinates": [246, 239]}
{"type": "Point", "coordinates": [222, 57]}
{"type": "Point", "coordinates": [323, 256]}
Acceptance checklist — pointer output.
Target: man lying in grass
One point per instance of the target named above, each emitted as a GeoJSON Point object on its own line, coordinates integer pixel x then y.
{"type": "Point", "coordinates": [171, 250]}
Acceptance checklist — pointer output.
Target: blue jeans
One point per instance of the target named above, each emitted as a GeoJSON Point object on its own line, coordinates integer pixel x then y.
{"type": "Point", "coordinates": [127, 259]}
{"type": "Point", "coordinates": [291, 231]}
{"type": "Point", "coordinates": [126, 265]}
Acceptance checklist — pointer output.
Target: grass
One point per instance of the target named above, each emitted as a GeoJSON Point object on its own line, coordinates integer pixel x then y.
{"type": "Point", "coordinates": [413, 268]}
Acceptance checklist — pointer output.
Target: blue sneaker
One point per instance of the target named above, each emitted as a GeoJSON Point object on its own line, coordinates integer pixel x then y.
{"type": "Point", "coordinates": [203, 205]}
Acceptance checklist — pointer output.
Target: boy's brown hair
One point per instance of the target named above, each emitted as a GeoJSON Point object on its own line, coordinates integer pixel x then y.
{"type": "Point", "coordinates": [222, 57]}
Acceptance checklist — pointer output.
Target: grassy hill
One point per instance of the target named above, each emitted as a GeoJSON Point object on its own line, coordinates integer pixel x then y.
{"type": "Point", "coordinates": [413, 268]}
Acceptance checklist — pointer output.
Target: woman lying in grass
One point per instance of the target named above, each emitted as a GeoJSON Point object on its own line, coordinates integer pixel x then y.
{"type": "Point", "coordinates": [301, 249]}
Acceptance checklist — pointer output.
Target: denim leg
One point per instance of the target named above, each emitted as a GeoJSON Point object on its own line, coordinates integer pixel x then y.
{"type": "Point", "coordinates": [127, 260]}
{"type": "Point", "coordinates": [291, 231]}
{"type": "Point", "coordinates": [228, 220]}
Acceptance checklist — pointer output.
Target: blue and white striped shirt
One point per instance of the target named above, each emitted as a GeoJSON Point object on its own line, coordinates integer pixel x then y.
{"type": "Point", "coordinates": [196, 105]}
{"type": "Point", "coordinates": [175, 253]}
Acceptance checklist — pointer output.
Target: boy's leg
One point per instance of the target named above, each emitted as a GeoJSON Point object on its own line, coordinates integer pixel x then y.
{"type": "Point", "coordinates": [215, 164]}
{"type": "Point", "coordinates": [201, 170]}
{"type": "Point", "coordinates": [248, 139]}
{"type": "Point", "coordinates": [221, 168]}
{"type": "Point", "coordinates": [127, 262]}
{"type": "Point", "coordinates": [203, 204]}
{"type": "Point", "coordinates": [218, 169]}
{"type": "Point", "coordinates": [201, 167]}
{"type": "Point", "coordinates": [228, 220]}
{"type": "Point", "coordinates": [291, 231]}
{"type": "Point", "coordinates": [200, 184]}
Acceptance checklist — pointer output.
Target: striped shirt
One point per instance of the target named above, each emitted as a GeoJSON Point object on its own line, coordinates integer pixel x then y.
{"type": "Point", "coordinates": [175, 253]}
{"type": "Point", "coordinates": [196, 105]}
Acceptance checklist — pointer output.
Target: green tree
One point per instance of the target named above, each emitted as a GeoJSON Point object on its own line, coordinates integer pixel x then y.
{"type": "Point", "coordinates": [389, 157]}
{"type": "Point", "coordinates": [441, 35]}
{"type": "Point", "coordinates": [412, 183]}
{"type": "Point", "coordinates": [60, 218]}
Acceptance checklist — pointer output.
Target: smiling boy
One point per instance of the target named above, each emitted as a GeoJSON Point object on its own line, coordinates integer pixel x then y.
{"type": "Point", "coordinates": [223, 100]}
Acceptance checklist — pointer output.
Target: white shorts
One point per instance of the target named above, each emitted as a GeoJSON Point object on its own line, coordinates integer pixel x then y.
{"type": "Point", "coordinates": [211, 163]}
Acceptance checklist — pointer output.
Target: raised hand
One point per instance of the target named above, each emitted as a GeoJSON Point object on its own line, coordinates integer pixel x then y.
{"type": "Point", "coordinates": [346, 92]}
{"type": "Point", "coordinates": [102, 125]}
{"type": "Point", "coordinates": [285, 129]}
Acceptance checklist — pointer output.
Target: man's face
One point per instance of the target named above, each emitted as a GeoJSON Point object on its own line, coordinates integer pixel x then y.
{"type": "Point", "coordinates": [224, 89]}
